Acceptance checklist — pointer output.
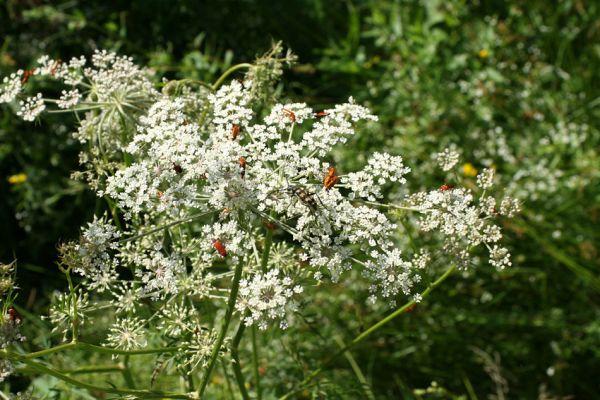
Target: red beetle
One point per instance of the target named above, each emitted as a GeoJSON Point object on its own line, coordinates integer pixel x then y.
{"type": "Point", "coordinates": [290, 114]}
{"type": "Point", "coordinates": [220, 247]}
{"type": "Point", "coordinates": [14, 315]}
{"type": "Point", "coordinates": [330, 179]}
{"type": "Point", "coordinates": [243, 165]}
{"type": "Point", "coordinates": [235, 131]}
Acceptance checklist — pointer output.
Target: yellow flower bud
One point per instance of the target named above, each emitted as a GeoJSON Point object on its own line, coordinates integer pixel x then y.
{"type": "Point", "coordinates": [469, 170]}
{"type": "Point", "coordinates": [17, 179]}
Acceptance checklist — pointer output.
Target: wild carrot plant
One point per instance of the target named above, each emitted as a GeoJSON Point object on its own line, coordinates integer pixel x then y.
{"type": "Point", "coordinates": [225, 216]}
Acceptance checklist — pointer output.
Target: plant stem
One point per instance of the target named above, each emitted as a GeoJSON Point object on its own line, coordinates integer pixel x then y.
{"type": "Point", "coordinates": [51, 350]}
{"type": "Point", "coordinates": [127, 376]}
{"type": "Point", "coordinates": [267, 250]}
{"type": "Point", "coordinates": [42, 369]}
{"type": "Point", "coordinates": [160, 228]}
{"type": "Point", "coordinates": [106, 350]}
{"type": "Point", "coordinates": [368, 332]}
{"type": "Point", "coordinates": [237, 368]}
{"type": "Point", "coordinates": [228, 314]}
{"type": "Point", "coordinates": [231, 70]}
{"type": "Point", "coordinates": [98, 349]}
{"type": "Point", "coordinates": [255, 363]}
{"type": "Point", "coordinates": [354, 365]}
{"type": "Point", "coordinates": [73, 295]}
{"type": "Point", "coordinates": [92, 370]}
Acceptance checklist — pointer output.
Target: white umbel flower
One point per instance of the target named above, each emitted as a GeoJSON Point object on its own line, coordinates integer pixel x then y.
{"type": "Point", "coordinates": [267, 297]}
{"type": "Point", "coordinates": [127, 334]}
{"type": "Point", "coordinates": [31, 107]}
{"type": "Point", "coordinates": [447, 159]}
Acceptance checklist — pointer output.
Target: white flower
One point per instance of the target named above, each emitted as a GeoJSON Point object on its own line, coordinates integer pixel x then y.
{"type": "Point", "coordinates": [510, 207]}
{"type": "Point", "coordinates": [10, 331]}
{"type": "Point", "coordinates": [447, 159]}
{"type": "Point", "coordinates": [61, 311]}
{"type": "Point", "coordinates": [94, 253]}
{"type": "Point", "coordinates": [69, 99]}
{"type": "Point", "coordinates": [499, 257]}
{"type": "Point", "coordinates": [485, 179]}
{"type": "Point", "coordinates": [127, 297]}
{"type": "Point", "coordinates": [267, 297]}
{"type": "Point", "coordinates": [11, 87]}
{"type": "Point", "coordinates": [381, 169]}
{"type": "Point", "coordinates": [463, 222]}
{"type": "Point", "coordinates": [176, 319]}
{"type": "Point", "coordinates": [6, 369]}
{"type": "Point", "coordinates": [31, 107]}
{"type": "Point", "coordinates": [390, 274]}
{"type": "Point", "coordinates": [196, 352]}
{"type": "Point", "coordinates": [127, 334]}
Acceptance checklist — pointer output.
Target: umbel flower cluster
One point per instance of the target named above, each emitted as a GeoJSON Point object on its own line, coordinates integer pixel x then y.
{"type": "Point", "coordinates": [199, 186]}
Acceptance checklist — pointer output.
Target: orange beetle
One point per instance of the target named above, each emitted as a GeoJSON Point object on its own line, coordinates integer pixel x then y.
{"type": "Point", "coordinates": [321, 114]}
{"type": "Point", "coordinates": [411, 308]}
{"type": "Point", "coordinates": [235, 131]}
{"type": "Point", "coordinates": [269, 225]}
{"type": "Point", "coordinates": [243, 165]}
{"type": "Point", "coordinates": [28, 73]}
{"type": "Point", "coordinates": [14, 315]}
{"type": "Point", "coordinates": [290, 114]}
{"type": "Point", "coordinates": [445, 188]}
{"type": "Point", "coordinates": [330, 179]}
{"type": "Point", "coordinates": [55, 67]}
{"type": "Point", "coordinates": [220, 247]}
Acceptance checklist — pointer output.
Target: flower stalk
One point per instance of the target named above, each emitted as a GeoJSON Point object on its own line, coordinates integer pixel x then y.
{"type": "Point", "coordinates": [235, 285]}
{"type": "Point", "coordinates": [362, 336]}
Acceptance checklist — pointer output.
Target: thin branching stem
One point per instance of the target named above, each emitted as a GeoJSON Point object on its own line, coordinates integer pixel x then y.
{"type": "Point", "coordinates": [237, 368]}
{"type": "Point", "coordinates": [73, 295]}
{"type": "Point", "coordinates": [165, 226]}
{"type": "Point", "coordinates": [98, 349]}
{"type": "Point", "coordinates": [225, 74]}
{"type": "Point", "coordinates": [235, 285]}
{"type": "Point", "coordinates": [43, 369]}
{"type": "Point", "coordinates": [367, 333]}
{"type": "Point", "coordinates": [255, 363]}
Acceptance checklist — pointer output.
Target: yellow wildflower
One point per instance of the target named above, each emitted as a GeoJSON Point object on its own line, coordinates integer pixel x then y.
{"type": "Point", "coordinates": [17, 179]}
{"type": "Point", "coordinates": [469, 170]}
{"type": "Point", "coordinates": [483, 53]}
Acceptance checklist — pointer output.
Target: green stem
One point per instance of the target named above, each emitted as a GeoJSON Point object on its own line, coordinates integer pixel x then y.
{"type": "Point", "coordinates": [357, 371]}
{"type": "Point", "coordinates": [237, 368]}
{"type": "Point", "coordinates": [51, 350]}
{"type": "Point", "coordinates": [267, 249]}
{"type": "Point", "coordinates": [73, 295]}
{"type": "Point", "coordinates": [255, 363]}
{"type": "Point", "coordinates": [160, 228]}
{"type": "Point", "coordinates": [92, 370]}
{"type": "Point", "coordinates": [42, 369]}
{"type": "Point", "coordinates": [98, 349]}
{"type": "Point", "coordinates": [106, 350]}
{"type": "Point", "coordinates": [231, 70]}
{"type": "Point", "coordinates": [228, 314]}
{"type": "Point", "coordinates": [227, 379]}
{"type": "Point", "coordinates": [368, 332]}
{"type": "Point", "coordinates": [115, 214]}
{"type": "Point", "coordinates": [127, 376]}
